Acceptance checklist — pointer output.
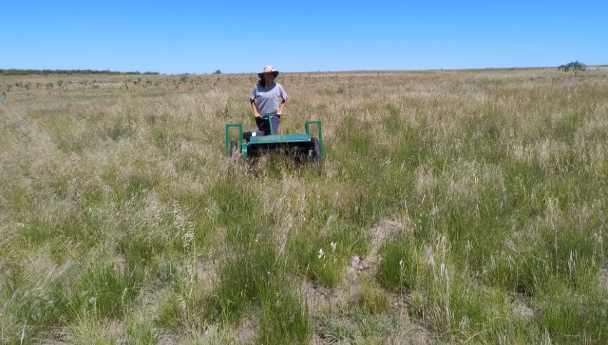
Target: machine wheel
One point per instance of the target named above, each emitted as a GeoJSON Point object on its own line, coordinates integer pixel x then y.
{"type": "Point", "coordinates": [233, 148]}
{"type": "Point", "coordinates": [316, 150]}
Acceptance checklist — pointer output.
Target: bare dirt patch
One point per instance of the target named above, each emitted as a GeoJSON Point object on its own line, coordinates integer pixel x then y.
{"type": "Point", "coordinates": [206, 272]}
{"type": "Point", "coordinates": [58, 336]}
{"type": "Point", "coordinates": [522, 306]}
{"type": "Point", "coordinates": [320, 298]}
{"type": "Point", "coordinates": [382, 231]}
{"type": "Point", "coordinates": [247, 331]}
{"type": "Point", "coordinates": [170, 339]}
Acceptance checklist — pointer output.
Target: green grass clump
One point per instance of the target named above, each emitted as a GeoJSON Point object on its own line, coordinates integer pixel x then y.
{"type": "Point", "coordinates": [372, 299]}
{"type": "Point", "coordinates": [106, 292]}
{"type": "Point", "coordinates": [284, 319]}
{"type": "Point", "coordinates": [573, 317]}
{"type": "Point", "coordinates": [399, 269]}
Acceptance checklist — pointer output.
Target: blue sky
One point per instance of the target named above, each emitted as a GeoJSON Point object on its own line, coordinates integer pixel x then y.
{"type": "Point", "coordinates": [242, 36]}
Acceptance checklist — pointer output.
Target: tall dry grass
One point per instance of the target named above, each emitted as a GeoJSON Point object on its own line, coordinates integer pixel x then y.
{"type": "Point", "coordinates": [476, 200]}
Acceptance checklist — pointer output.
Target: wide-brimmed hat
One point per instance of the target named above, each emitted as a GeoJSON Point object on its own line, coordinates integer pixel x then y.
{"type": "Point", "coordinates": [268, 69]}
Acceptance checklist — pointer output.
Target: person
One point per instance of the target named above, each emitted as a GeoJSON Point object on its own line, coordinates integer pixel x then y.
{"type": "Point", "coordinates": [268, 97]}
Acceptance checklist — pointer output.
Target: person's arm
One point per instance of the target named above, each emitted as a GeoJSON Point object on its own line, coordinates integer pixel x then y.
{"type": "Point", "coordinates": [284, 102]}
{"type": "Point", "coordinates": [281, 107]}
{"type": "Point", "coordinates": [256, 113]}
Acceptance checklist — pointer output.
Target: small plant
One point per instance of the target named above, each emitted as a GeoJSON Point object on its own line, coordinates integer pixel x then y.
{"type": "Point", "coordinates": [326, 268]}
{"type": "Point", "coordinates": [398, 270]}
{"type": "Point", "coordinates": [284, 320]}
{"type": "Point", "coordinates": [105, 291]}
{"type": "Point", "coordinates": [372, 298]}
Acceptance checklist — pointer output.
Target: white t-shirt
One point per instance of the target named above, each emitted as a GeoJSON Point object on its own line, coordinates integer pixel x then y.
{"type": "Point", "coordinates": [267, 98]}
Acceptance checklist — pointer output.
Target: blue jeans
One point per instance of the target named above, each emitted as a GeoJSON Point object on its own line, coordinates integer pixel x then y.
{"type": "Point", "coordinates": [264, 127]}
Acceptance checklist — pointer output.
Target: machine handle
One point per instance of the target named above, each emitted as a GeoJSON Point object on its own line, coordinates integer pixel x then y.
{"type": "Point", "coordinates": [240, 127]}
{"type": "Point", "coordinates": [320, 135]}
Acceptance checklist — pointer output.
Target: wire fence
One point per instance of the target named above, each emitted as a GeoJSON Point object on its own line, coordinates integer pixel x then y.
{"type": "Point", "coordinates": [72, 85]}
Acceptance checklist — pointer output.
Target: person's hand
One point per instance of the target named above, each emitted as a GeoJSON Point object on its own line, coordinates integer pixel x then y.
{"type": "Point", "coordinates": [256, 114]}
{"type": "Point", "coordinates": [279, 113]}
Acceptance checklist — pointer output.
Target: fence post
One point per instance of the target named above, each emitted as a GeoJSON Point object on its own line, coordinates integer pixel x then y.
{"type": "Point", "coordinates": [231, 83]}
{"type": "Point", "coordinates": [83, 85]}
{"type": "Point", "coordinates": [103, 83]}
{"type": "Point", "coordinates": [24, 91]}
{"type": "Point", "coordinates": [3, 88]}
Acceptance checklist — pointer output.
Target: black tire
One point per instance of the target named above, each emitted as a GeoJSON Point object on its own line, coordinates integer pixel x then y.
{"type": "Point", "coordinates": [233, 148]}
{"type": "Point", "coordinates": [316, 149]}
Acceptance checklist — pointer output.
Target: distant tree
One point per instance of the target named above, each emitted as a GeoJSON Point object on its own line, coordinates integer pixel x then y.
{"type": "Point", "coordinates": [217, 71]}
{"type": "Point", "coordinates": [574, 65]}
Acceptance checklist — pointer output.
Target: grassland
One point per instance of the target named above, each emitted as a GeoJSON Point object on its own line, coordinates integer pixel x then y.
{"type": "Point", "coordinates": [476, 201]}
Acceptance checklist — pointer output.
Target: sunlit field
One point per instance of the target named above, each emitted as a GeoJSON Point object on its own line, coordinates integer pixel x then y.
{"type": "Point", "coordinates": [450, 207]}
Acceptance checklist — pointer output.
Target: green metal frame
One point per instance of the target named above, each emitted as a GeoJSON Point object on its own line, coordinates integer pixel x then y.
{"type": "Point", "coordinates": [320, 135]}
{"type": "Point", "coordinates": [269, 117]}
{"type": "Point", "coordinates": [240, 127]}
{"type": "Point", "coordinates": [244, 149]}
{"type": "Point", "coordinates": [281, 138]}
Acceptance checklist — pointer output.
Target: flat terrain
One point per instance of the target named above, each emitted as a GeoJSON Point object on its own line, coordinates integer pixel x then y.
{"type": "Point", "coordinates": [450, 207]}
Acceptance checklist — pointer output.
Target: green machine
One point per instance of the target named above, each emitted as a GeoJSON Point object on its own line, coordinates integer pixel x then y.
{"type": "Point", "coordinates": [254, 144]}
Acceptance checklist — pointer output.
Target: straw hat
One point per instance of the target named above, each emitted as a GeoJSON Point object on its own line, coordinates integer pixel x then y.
{"type": "Point", "coordinates": [268, 69]}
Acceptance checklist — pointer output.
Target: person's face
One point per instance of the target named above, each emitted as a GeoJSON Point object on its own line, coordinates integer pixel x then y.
{"type": "Point", "coordinates": [268, 78]}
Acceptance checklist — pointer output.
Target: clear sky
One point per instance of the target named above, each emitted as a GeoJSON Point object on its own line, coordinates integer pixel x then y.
{"type": "Point", "coordinates": [236, 36]}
